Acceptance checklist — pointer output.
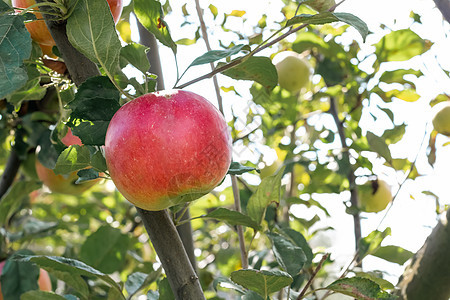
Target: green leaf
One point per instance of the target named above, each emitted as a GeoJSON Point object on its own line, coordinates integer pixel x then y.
{"type": "Point", "coordinates": [213, 10]}
{"type": "Point", "coordinates": [136, 55]}
{"type": "Point", "coordinates": [40, 295]}
{"type": "Point", "coordinates": [105, 249]}
{"type": "Point", "coordinates": [215, 55]}
{"type": "Point", "coordinates": [227, 283]}
{"type": "Point", "coordinates": [98, 161]}
{"type": "Point", "coordinates": [298, 239]}
{"type": "Point", "coordinates": [151, 16]}
{"type": "Point", "coordinates": [288, 255]}
{"type": "Point", "coordinates": [383, 283]}
{"type": "Point", "coordinates": [400, 45]}
{"type": "Point", "coordinates": [18, 277]}
{"type": "Point", "coordinates": [165, 292]}
{"type": "Point", "coordinates": [329, 17]}
{"type": "Point", "coordinates": [372, 242]}
{"type": "Point", "coordinates": [70, 271]}
{"type": "Point", "coordinates": [360, 288]}
{"type": "Point", "coordinates": [262, 282]}
{"type": "Point", "coordinates": [393, 254]}
{"type": "Point", "coordinates": [15, 46]}
{"type": "Point", "coordinates": [268, 191]}
{"type": "Point", "coordinates": [378, 145]}
{"type": "Point", "coordinates": [32, 90]}
{"type": "Point", "coordinates": [86, 175]}
{"type": "Point", "coordinates": [232, 217]}
{"type": "Point", "coordinates": [397, 76]}
{"type": "Point", "coordinates": [95, 103]}
{"type": "Point", "coordinates": [91, 30]}
{"type": "Point", "coordinates": [256, 68]}
{"type": "Point", "coordinates": [138, 281]}
{"type": "Point", "coordinates": [13, 199]}
{"type": "Point", "coordinates": [238, 169]}
{"type": "Point", "coordinates": [72, 159]}
{"type": "Point", "coordinates": [5, 7]}
{"type": "Point", "coordinates": [251, 295]}
{"type": "Point", "coordinates": [134, 282]}
{"type": "Point", "coordinates": [408, 95]}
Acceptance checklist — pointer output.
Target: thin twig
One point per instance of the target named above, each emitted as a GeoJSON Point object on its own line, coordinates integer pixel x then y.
{"type": "Point", "coordinates": [241, 59]}
{"type": "Point", "coordinates": [240, 231]}
{"type": "Point", "coordinates": [313, 275]}
{"type": "Point", "coordinates": [235, 187]}
{"type": "Point", "coordinates": [208, 47]}
{"type": "Point", "coordinates": [350, 176]}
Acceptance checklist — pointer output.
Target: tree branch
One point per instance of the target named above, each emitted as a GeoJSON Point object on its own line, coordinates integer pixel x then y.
{"type": "Point", "coordinates": [162, 232]}
{"type": "Point", "coordinates": [350, 176]}
{"type": "Point", "coordinates": [79, 66]}
{"type": "Point", "coordinates": [444, 7]}
{"type": "Point", "coordinates": [428, 275]}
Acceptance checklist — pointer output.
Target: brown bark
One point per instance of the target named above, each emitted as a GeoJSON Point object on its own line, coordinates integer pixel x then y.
{"type": "Point", "coordinates": [428, 275]}
{"type": "Point", "coordinates": [163, 234]}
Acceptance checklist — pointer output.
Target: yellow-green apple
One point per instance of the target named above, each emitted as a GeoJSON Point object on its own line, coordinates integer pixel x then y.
{"type": "Point", "coordinates": [166, 148]}
{"type": "Point", "coordinates": [44, 282]}
{"type": "Point", "coordinates": [64, 184]}
{"type": "Point", "coordinates": [293, 72]}
{"type": "Point", "coordinates": [374, 196]}
{"type": "Point", "coordinates": [441, 118]}
{"type": "Point", "coordinates": [39, 31]}
{"type": "Point", "coordinates": [321, 5]}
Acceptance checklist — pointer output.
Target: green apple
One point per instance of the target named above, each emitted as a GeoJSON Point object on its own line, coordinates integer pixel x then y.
{"type": "Point", "coordinates": [321, 5]}
{"type": "Point", "coordinates": [374, 196]}
{"type": "Point", "coordinates": [441, 118]}
{"type": "Point", "coordinates": [293, 72]}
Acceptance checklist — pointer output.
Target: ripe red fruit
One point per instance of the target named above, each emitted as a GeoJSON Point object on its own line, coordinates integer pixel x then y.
{"type": "Point", "coordinates": [39, 31]}
{"type": "Point", "coordinates": [64, 184]}
{"type": "Point", "coordinates": [166, 148]}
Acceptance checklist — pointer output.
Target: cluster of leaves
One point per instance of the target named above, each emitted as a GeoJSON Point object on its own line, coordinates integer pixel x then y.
{"type": "Point", "coordinates": [40, 104]}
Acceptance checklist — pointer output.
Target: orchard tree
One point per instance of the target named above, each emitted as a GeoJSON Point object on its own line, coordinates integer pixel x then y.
{"type": "Point", "coordinates": [120, 187]}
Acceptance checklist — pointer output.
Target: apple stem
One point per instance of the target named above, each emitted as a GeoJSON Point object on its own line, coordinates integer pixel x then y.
{"type": "Point", "coordinates": [169, 247]}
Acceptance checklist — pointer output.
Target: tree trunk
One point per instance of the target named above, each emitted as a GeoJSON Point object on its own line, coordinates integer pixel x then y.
{"type": "Point", "coordinates": [428, 275]}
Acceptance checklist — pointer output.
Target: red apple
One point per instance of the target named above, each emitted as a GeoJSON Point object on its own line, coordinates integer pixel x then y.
{"type": "Point", "coordinates": [166, 148]}
{"type": "Point", "coordinates": [64, 184]}
{"type": "Point", "coordinates": [39, 31]}
{"type": "Point", "coordinates": [44, 282]}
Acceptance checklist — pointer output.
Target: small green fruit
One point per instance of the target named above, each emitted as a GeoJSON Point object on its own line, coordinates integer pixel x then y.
{"type": "Point", "coordinates": [374, 196]}
{"type": "Point", "coordinates": [441, 118]}
{"type": "Point", "coordinates": [293, 72]}
{"type": "Point", "coordinates": [321, 5]}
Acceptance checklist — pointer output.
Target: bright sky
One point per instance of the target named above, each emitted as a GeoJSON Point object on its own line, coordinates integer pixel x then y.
{"type": "Point", "coordinates": [411, 220]}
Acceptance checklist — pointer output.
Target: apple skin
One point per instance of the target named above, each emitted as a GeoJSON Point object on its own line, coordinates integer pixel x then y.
{"type": "Point", "coordinates": [293, 72]}
{"type": "Point", "coordinates": [39, 31]}
{"type": "Point", "coordinates": [441, 118]}
{"type": "Point", "coordinates": [321, 5]}
{"type": "Point", "coordinates": [64, 184]}
{"type": "Point", "coordinates": [374, 196]}
{"type": "Point", "coordinates": [166, 148]}
{"type": "Point", "coordinates": [44, 282]}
